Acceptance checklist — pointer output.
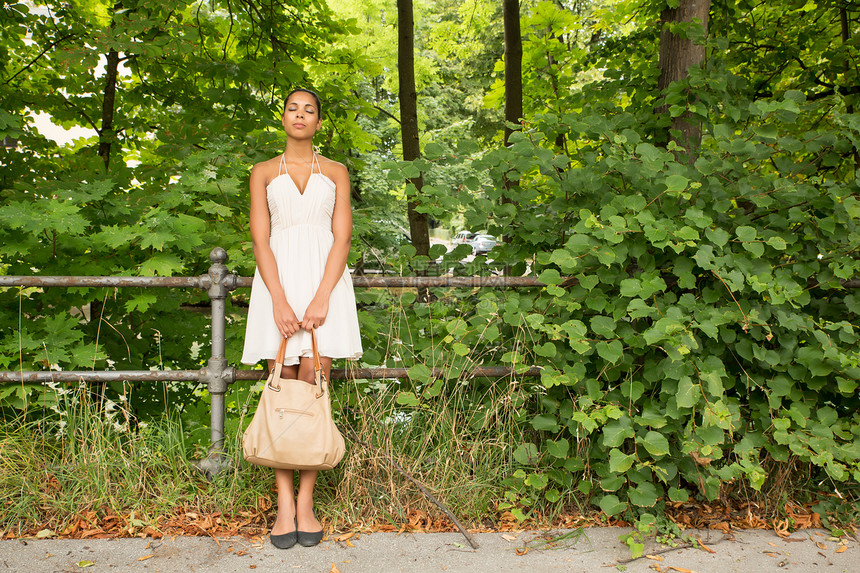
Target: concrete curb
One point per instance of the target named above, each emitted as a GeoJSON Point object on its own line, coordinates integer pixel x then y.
{"type": "Point", "coordinates": [596, 549]}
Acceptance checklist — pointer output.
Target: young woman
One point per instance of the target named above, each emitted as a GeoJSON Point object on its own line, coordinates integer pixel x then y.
{"type": "Point", "coordinates": [301, 228]}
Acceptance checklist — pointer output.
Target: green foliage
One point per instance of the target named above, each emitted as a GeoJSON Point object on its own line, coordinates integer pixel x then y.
{"type": "Point", "coordinates": [198, 98]}
{"type": "Point", "coordinates": [708, 309]}
{"type": "Point", "coordinates": [694, 336]}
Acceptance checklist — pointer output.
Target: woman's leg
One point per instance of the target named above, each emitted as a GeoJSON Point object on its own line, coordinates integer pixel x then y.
{"type": "Point", "coordinates": [307, 478]}
{"type": "Point", "coordinates": [305, 502]}
{"type": "Point", "coordinates": [285, 521]}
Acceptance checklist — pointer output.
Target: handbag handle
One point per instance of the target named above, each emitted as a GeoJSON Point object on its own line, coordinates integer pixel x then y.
{"type": "Point", "coordinates": [319, 375]}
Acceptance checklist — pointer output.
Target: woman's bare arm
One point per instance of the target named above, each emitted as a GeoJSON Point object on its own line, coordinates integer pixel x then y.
{"type": "Point", "coordinates": [285, 318]}
{"type": "Point", "coordinates": [341, 227]}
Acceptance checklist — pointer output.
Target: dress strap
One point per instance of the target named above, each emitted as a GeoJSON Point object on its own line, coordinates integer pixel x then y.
{"type": "Point", "coordinates": [316, 162]}
{"type": "Point", "coordinates": [283, 163]}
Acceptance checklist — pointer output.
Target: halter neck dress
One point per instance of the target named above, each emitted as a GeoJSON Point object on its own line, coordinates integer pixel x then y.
{"type": "Point", "coordinates": [301, 238]}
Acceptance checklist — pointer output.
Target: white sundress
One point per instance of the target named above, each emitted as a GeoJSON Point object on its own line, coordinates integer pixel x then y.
{"type": "Point", "coordinates": [301, 238]}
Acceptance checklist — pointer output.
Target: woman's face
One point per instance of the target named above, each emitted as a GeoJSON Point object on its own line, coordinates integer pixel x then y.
{"type": "Point", "coordinates": [301, 116]}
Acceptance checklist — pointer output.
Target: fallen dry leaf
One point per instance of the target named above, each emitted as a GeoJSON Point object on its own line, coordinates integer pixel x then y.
{"type": "Point", "coordinates": [508, 537]}
{"type": "Point", "coordinates": [83, 564]}
{"type": "Point", "coordinates": [820, 545]}
{"type": "Point", "coordinates": [654, 557]}
{"type": "Point", "coordinates": [722, 526]}
{"type": "Point", "coordinates": [349, 543]}
{"type": "Point", "coordinates": [772, 544]}
{"type": "Point", "coordinates": [705, 547]}
{"type": "Point", "coordinates": [781, 528]}
{"type": "Point", "coordinates": [771, 553]}
{"type": "Point", "coordinates": [522, 550]}
{"type": "Point", "coordinates": [345, 536]}
{"type": "Point", "coordinates": [680, 569]}
{"type": "Point", "coordinates": [334, 569]}
{"type": "Point", "coordinates": [145, 557]}
{"type": "Point", "coordinates": [841, 549]}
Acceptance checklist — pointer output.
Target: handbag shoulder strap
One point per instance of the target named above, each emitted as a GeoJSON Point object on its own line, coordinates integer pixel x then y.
{"type": "Point", "coordinates": [282, 350]}
{"type": "Point", "coordinates": [319, 375]}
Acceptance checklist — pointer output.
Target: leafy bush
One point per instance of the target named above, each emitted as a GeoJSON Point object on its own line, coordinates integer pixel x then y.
{"type": "Point", "coordinates": [695, 332]}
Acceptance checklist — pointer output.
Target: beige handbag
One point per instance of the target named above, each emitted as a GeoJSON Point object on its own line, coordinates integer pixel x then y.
{"type": "Point", "coordinates": [292, 427]}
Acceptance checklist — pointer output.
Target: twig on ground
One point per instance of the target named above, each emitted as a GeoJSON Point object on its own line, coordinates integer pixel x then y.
{"type": "Point", "coordinates": [418, 484]}
{"type": "Point", "coordinates": [695, 543]}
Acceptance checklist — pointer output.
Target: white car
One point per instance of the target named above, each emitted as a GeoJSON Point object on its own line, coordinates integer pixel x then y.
{"type": "Point", "coordinates": [482, 244]}
{"type": "Point", "coordinates": [462, 238]}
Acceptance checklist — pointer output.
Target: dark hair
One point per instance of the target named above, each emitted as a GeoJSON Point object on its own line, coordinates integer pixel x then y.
{"type": "Point", "coordinates": [307, 91]}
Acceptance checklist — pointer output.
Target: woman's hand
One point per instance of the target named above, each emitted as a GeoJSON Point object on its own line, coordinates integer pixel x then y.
{"type": "Point", "coordinates": [315, 313]}
{"type": "Point", "coordinates": [285, 319]}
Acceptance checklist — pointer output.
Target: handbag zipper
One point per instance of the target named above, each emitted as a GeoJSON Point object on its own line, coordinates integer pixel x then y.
{"type": "Point", "coordinates": [282, 411]}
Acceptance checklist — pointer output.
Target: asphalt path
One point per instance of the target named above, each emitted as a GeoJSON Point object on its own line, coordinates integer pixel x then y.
{"type": "Point", "coordinates": [586, 550]}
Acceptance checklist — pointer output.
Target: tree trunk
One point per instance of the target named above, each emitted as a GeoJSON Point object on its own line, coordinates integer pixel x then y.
{"type": "Point", "coordinates": [677, 55]}
{"type": "Point", "coordinates": [513, 65]}
{"type": "Point", "coordinates": [846, 37]}
{"type": "Point", "coordinates": [418, 223]}
{"type": "Point", "coordinates": [106, 133]}
{"type": "Point", "coordinates": [513, 87]}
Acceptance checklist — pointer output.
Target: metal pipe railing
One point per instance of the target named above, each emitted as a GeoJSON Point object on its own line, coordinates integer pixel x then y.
{"type": "Point", "coordinates": [217, 374]}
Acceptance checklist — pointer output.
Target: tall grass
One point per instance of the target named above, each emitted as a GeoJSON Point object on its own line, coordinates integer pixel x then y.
{"type": "Point", "coordinates": [89, 454]}
{"type": "Point", "coordinates": [89, 459]}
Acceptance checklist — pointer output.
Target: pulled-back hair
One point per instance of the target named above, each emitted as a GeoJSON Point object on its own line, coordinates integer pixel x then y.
{"type": "Point", "coordinates": [307, 91]}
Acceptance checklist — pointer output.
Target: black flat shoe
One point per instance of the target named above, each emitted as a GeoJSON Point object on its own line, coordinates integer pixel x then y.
{"type": "Point", "coordinates": [285, 540]}
{"type": "Point", "coordinates": [309, 539]}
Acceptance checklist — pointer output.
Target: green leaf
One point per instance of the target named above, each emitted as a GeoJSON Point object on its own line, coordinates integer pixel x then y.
{"type": "Point", "coordinates": [620, 462]}
{"type": "Point", "coordinates": [777, 243]}
{"type": "Point", "coordinates": [746, 233]}
{"type": "Point", "coordinates": [213, 208]}
{"type": "Point", "coordinates": [676, 183]}
{"type": "Point", "coordinates": [407, 399]}
{"type": "Point", "coordinates": [526, 454]}
{"type": "Point", "coordinates": [550, 277]}
{"type": "Point", "coordinates": [603, 326]}
{"type": "Point", "coordinates": [643, 495]}
{"type": "Point", "coordinates": [420, 373]}
{"type": "Point", "coordinates": [611, 505]}
{"type": "Point", "coordinates": [719, 236]}
{"type": "Point", "coordinates": [537, 481]}
{"type": "Point", "coordinates": [545, 423]}
{"type": "Point", "coordinates": [688, 394]}
{"type": "Point", "coordinates": [558, 448]}
{"type": "Point", "coordinates": [546, 350]}
{"type": "Point", "coordinates": [141, 302]}
{"type": "Point", "coordinates": [614, 433]}
{"type": "Point", "coordinates": [162, 264]}
{"type": "Point", "coordinates": [755, 248]}
{"type": "Point", "coordinates": [631, 287]}
{"type": "Point", "coordinates": [655, 443]}
{"type": "Point", "coordinates": [457, 327]}
{"type": "Point", "coordinates": [460, 349]}
{"type": "Point", "coordinates": [610, 351]}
